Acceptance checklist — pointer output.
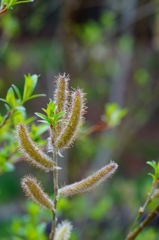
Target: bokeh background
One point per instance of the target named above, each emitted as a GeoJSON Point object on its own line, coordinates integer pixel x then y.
{"type": "Point", "coordinates": [110, 48]}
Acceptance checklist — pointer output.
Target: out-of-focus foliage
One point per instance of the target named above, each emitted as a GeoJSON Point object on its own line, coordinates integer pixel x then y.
{"type": "Point", "coordinates": [148, 234]}
{"type": "Point", "coordinates": [31, 226]}
{"type": "Point", "coordinates": [111, 50]}
{"type": "Point", "coordinates": [113, 114]}
{"type": "Point", "coordinates": [15, 113]}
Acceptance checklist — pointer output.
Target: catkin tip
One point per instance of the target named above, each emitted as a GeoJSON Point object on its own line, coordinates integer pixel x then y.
{"type": "Point", "coordinates": [60, 97]}
{"type": "Point", "coordinates": [63, 230]}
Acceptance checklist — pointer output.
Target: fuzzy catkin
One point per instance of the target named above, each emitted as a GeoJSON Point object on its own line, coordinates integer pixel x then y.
{"type": "Point", "coordinates": [31, 152]}
{"type": "Point", "coordinates": [61, 100]}
{"type": "Point", "coordinates": [71, 130]}
{"type": "Point", "coordinates": [63, 231]}
{"type": "Point", "coordinates": [90, 183]}
{"type": "Point", "coordinates": [34, 190]}
{"type": "Point", "coordinates": [61, 92]}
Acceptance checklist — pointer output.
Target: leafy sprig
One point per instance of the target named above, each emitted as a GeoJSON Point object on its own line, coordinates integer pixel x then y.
{"type": "Point", "coordinates": [137, 228]}
{"type": "Point", "coordinates": [51, 117]}
{"type": "Point", "coordinates": [7, 4]}
{"type": "Point", "coordinates": [155, 166]}
{"type": "Point", "coordinates": [14, 99]}
{"type": "Point", "coordinates": [16, 113]}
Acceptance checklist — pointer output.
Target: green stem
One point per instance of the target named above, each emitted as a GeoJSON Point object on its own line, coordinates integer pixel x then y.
{"type": "Point", "coordinates": [142, 225]}
{"type": "Point", "coordinates": [55, 180]}
{"type": "Point", "coordinates": [142, 209]}
{"type": "Point", "coordinates": [7, 116]}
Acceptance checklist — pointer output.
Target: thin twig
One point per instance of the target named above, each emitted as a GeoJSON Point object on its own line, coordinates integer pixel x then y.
{"type": "Point", "coordinates": [142, 225]}
{"type": "Point", "coordinates": [7, 116]}
{"type": "Point", "coordinates": [142, 209]}
{"type": "Point", "coordinates": [55, 180]}
{"type": "Point", "coordinates": [100, 126]}
{"type": "Point", "coordinates": [3, 9]}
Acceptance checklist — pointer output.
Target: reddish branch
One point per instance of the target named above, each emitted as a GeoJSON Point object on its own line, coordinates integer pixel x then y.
{"type": "Point", "coordinates": [3, 9]}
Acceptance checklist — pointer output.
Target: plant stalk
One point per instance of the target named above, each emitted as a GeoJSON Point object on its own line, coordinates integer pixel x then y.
{"type": "Point", "coordinates": [142, 225]}
{"type": "Point", "coordinates": [55, 180]}
{"type": "Point", "coordinates": [100, 126]}
{"type": "Point", "coordinates": [142, 209]}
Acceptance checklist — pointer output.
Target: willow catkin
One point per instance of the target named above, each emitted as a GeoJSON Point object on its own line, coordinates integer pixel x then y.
{"type": "Point", "coordinates": [31, 152]}
{"type": "Point", "coordinates": [70, 132]}
{"type": "Point", "coordinates": [34, 191]}
{"type": "Point", "coordinates": [63, 231]}
{"type": "Point", "coordinates": [61, 93]}
{"type": "Point", "coordinates": [61, 99]}
{"type": "Point", "coordinates": [90, 183]}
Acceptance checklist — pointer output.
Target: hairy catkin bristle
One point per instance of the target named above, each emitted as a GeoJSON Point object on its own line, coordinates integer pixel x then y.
{"type": "Point", "coordinates": [61, 99]}
{"type": "Point", "coordinates": [90, 183]}
{"type": "Point", "coordinates": [71, 130]}
{"type": "Point", "coordinates": [31, 152]}
{"type": "Point", "coordinates": [63, 231]}
{"type": "Point", "coordinates": [61, 92]}
{"type": "Point", "coordinates": [34, 190]}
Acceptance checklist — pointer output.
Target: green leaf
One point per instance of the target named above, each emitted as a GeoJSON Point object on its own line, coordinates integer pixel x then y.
{"type": "Point", "coordinates": [153, 176]}
{"type": "Point", "coordinates": [113, 114]}
{"type": "Point", "coordinates": [3, 100]}
{"type": "Point", "coordinates": [17, 92]}
{"type": "Point", "coordinates": [45, 110]}
{"type": "Point", "coordinates": [10, 3]}
{"type": "Point", "coordinates": [10, 97]}
{"type": "Point", "coordinates": [20, 108]}
{"type": "Point", "coordinates": [155, 166]}
{"type": "Point", "coordinates": [60, 114]}
{"type": "Point", "coordinates": [29, 86]}
{"type": "Point", "coordinates": [42, 116]}
{"type": "Point", "coordinates": [152, 164]}
{"type": "Point", "coordinates": [7, 107]}
{"type": "Point", "coordinates": [43, 121]}
{"type": "Point", "coordinates": [23, 1]}
{"type": "Point", "coordinates": [36, 95]}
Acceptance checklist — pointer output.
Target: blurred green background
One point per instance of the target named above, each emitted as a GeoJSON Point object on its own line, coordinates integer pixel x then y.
{"type": "Point", "coordinates": [111, 50]}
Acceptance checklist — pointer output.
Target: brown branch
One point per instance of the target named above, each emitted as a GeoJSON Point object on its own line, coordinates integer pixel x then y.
{"type": "Point", "coordinates": [3, 9]}
{"type": "Point", "coordinates": [100, 126]}
{"type": "Point", "coordinates": [142, 225]}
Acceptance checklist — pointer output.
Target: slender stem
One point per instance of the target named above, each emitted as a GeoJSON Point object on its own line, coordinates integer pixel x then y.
{"type": "Point", "coordinates": [6, 118]}
{"type": "Point", "coordinates": [142, 209]}
{"type": "Point", "coordinates": [55, 180]}
{"type": "Point", "coordinates": [100, 126]}
{"type": "Point", "coordinates": [150, 195]}
{"type": "Point", "coordinates": [3, 8]}
{"type": "Point", "coordinates": [142, 225]}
